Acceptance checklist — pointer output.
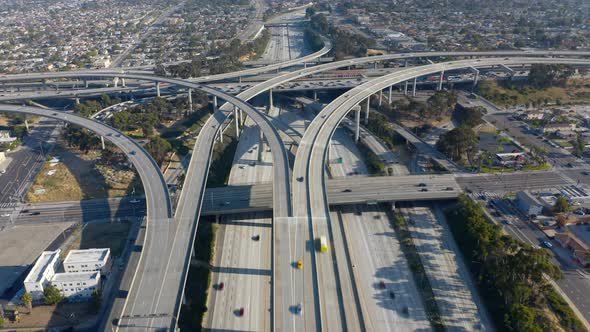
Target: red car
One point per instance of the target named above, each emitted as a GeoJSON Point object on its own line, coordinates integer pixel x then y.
{"type": "Point", "coordinates": [221, 285]}
{"type": "Point", "coordinates": [241, 312]}
{"type": "Point", "coordinates": [382, 284]}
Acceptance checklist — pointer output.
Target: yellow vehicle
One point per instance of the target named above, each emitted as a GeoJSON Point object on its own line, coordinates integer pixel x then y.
{"type": "Point", "coordinates": [323, 244]}
{"type": "Point", "coordinates": [300, 264]}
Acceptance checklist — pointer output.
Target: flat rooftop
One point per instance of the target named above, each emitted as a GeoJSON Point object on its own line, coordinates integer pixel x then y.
{"type": "Point", "coordinates": [43, 262]}
{"type": "Point", "coordinates": [72, 277]}
{"type": "Point", "coordinates": [87, 255]}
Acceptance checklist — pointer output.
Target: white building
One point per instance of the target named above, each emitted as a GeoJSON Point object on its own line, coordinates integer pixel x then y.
{"type": "Point", "coordinates": [528, 204]}
{"type": "Point", "coordinates": [87, 260]}
{"type": "Point", "coordinates": [77, 286]}
{"type": "Point", "coordinates": [5, 137]}
{"type": "Point", "coordinates": [42, 273]}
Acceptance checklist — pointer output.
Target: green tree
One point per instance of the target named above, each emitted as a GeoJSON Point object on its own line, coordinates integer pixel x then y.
{"type": "Point", "coordinates": [578, 146]}
{"type": "Point", "coordinates": [158, 148]}
{"type": "Point", "coordinates": [459, 143]}
{"type": "Point", "coordinates": [52, 295]}
{"type": "Point", "coordinates": [522, 318]}
{"type": "Point", "coordinates": [27, 300]}
{"type": "Point", "coordinates": [561, 205]}
{"type": "Point", "coordinates": [468, 116]}
{"type": "Point", "coordinates": [97, 299]}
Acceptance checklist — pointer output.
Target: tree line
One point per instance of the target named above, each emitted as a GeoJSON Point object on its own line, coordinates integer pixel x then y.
{"type": "Point", "coordinates": [224, 58]}
{"type": "Point", "coordinates": [344, 43]}
{"type": "Point", "coordinates": [509, 274]}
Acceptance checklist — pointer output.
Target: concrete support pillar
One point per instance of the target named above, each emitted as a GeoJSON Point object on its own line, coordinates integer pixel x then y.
{"type": "Point", "coordinates": [406, 63]}
{"type": "Point", "coordinates": [414, 87]}
{"type": "Point", "coordinates": [270, 102]}
{"type": "Point", "coordinates": [241, 119]}
{"type": "Point", "coordinates": [440, 80]}
{"type": "Point", "coordinates": [123, 83]}
{"type": "Point", "coordinates": [390, 92]}
{"type": "Point", "coordinates": [260, 144]}
{"type": "Point", "coordinates": [367, 111]}
{"type": "Point", "coordinates": [116, 82]}
{"type": "Point", "coordinates": [86, 84]}
{"type": "Point", "coordinates": [475, 80]}
{"type": "Point", "coordinates": [236, 121]}
{"type": "Point", "coordinates": [158, 89]}
{"type": "Point", "coordinates": [239, 79]}
{"type": "Point", "coordinates": [77, 101]}
{"type": "Point", "coordinates": [405, 87]}
{"type": "Point", "coordinates": [375, 66]}
{"type": "Point", "coordinates": [221, 134]}
{"type": "Point", "coordinates": [27, 124]}
{"type": "Point", "coordinates": [190, 100]}
{"type": "Point", "coordinates": [315, 95]}
{"type": "Point", "coordinates": [357, 118]}
{"type": "Point", "coordinates": [380, 97]}
{"type": "Point", "coordinates": [102, 142]}
{"type": "Point", "coordinates": [305, 65]}
{"type": "Point", "coordinates": [214, 103]}
{"type": "Point", "coordinates": [3, 86]}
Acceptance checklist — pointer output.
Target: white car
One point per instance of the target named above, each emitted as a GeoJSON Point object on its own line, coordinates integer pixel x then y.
{"type": "Point", "coordinates": [134, 201]}
{"type": "Point", "coordinates": [5, 215]}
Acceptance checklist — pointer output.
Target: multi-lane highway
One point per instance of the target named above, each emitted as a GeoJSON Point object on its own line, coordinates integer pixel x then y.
{"type": "Point", "coordinates": [187, 218]}
{"type": "Point", "coordinates": [172, 263]}
{"type": "Point", "coordinates": [309, 190]}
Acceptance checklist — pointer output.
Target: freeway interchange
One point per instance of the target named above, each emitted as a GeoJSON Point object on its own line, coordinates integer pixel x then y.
{"type": "Point", "coordinates": [299, 198]}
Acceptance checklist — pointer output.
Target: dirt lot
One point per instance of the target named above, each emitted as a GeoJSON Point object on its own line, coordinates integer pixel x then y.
{"type": "Point", "coordinates": [63, 314]}
{"type": "Point", "coordinates": [79, 176]}
{"type": "Point", "coordinates": [576, 91]}
{"type": "Point", "coordinates": [100, 235]}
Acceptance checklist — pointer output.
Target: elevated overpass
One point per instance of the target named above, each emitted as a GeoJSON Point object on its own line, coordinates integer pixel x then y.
{"type": "Point", "coordinates": [167, 269]}
{"type": "Point", "coordinates": [159, 207]}
{"type": "Point", "coordinates": [310, 195]}
{"type": "Point", "coordinates": [194, 187]}
{"type": "Point", "coordinates": [341, 191]}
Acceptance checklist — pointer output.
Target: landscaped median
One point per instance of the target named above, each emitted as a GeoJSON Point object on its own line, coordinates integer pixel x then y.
{"type": "Point", "coordinates": [510, 275]}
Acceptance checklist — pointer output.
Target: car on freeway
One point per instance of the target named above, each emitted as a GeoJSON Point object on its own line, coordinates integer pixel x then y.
{"type": "Point", "coordinates": [449, 188]}
{"type": "Point", "coordinates": [5, 215]}
{"type": "Point", "coordinates": [424, 189]}
{"type": "Point", "coordinates": [392, 294]}
{"type": "Point", "coordinates": [300, 179]}
{"type": "Point", "coordinates": [547, 244]}
{"type": "Point", "coordinates": [346, 190]}
{"type": "Point", "coordinates": [299, 309]}
{"type": "Point", "coordinates": [506, 222]}
{"type": "Point", "coordinates": [300, 264]}
{"type": "Point", "coordinates": [36, 213]}
{"type": "Point", "coordinates": [134, 201]}
{"type": "Point", "coordinates": [382, 284]}
{"type": "Point", "coordinates": [220, 286]}
{"type": "Point", "coordinates": [256, 237]}
{"type": "Point", "coordinates": [132, 152]}
{"type": "Point", "coordinates": [241, 312]}
{"type": "Point", "coordinates": [421, 184]}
